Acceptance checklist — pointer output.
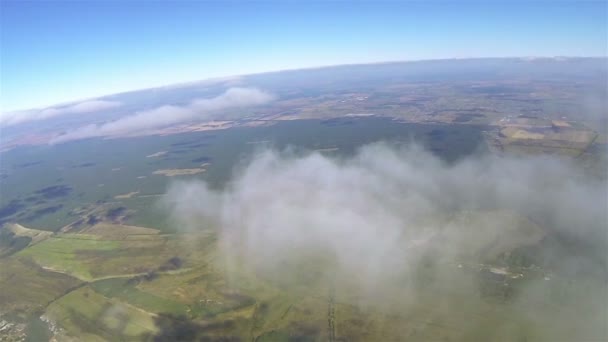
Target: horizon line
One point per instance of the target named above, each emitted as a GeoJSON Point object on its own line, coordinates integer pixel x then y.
{"type": "Point", "coordinates": [234, 76]}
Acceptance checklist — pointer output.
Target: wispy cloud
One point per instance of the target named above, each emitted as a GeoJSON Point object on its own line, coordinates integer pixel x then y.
{"type": "Point", "coordinates": [168, 115]}
{"type": "Point", "coordinates": [16, 117]}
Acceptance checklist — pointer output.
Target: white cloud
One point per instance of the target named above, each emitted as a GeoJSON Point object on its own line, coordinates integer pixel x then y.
{"type": "Point", "coordinates": [168, 115]}
{"type": "Point", "coordinates": [391, 226]}
{"type": "Point", "coordinates": [16, 117]}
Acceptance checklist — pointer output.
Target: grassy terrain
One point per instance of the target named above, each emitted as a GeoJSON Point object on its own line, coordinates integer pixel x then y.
{"type": "Point", "coordinates": [88, 257]}
{"type": "Point", "coordinates": [91, 316]}
{"type": "Point", "coordinates": [122, 290]}
{"type": "Point", "coordinates": [112, 281]}
{"type": "Point", "coordinates": [27, 288]}
{"type": "Point", "coordinates": [65, 253]}
{"type": "Point", "coordinates": [204, 295]}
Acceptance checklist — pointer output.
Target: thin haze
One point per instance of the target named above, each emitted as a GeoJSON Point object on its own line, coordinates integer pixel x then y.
{"type": "Point", "coordinates": [372, 222]}
{"type": "Point", "coordinates": [60, 51]}
{"type": "Point", "coordinates": [17, 117]}
{"type": "Point", "coordinates": [198, 109]}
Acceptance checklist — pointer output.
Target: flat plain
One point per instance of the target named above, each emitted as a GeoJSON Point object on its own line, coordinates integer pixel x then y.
{"type": "Point", "coordinates": [89, 252]}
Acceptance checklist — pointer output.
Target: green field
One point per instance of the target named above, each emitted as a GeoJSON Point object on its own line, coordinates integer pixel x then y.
{"type": "Point", "coordinates": [91, 316]}
{"type": "Point", "coordinates": [200, 295]}
{"type": "Point", "coordinates": [66, 253]}
{"type": "Point", "coordinates": [101, 267]}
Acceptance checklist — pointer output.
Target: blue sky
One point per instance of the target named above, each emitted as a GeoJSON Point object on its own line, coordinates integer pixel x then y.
{"type": "Point", "coordinates": [54, 51]}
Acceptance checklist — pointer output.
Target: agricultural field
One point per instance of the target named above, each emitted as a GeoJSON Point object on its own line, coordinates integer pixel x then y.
{"type": "Point", "coordinates": [92, 290]}
{"type": "Point", "coordinates": [401, 207]}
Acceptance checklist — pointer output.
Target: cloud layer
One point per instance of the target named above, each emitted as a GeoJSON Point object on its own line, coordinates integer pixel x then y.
{"type": "Point", "coordinates": [169, 115]}
{"type": "Point", "coordinates": [385, 220]}
{"type": "Point", "coordinates": [16, 117]}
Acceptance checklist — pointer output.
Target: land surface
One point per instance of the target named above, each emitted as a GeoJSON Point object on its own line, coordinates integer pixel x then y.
{"type": "Point", "coordinates": [87, 252]}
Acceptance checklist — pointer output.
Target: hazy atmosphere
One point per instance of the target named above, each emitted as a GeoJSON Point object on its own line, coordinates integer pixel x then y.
{"type": "Point", "coordinates": [380, 209]}
{"type": "Point", "coordinates": [303, 171]}
{"type": "Point", "coordinates": [376, 219]}
{"type": "Point", "coordinates": [197, 109]}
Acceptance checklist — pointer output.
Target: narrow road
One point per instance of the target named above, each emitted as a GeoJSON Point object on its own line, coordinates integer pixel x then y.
{"type": "Point", "coordinates": [331, 314]}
